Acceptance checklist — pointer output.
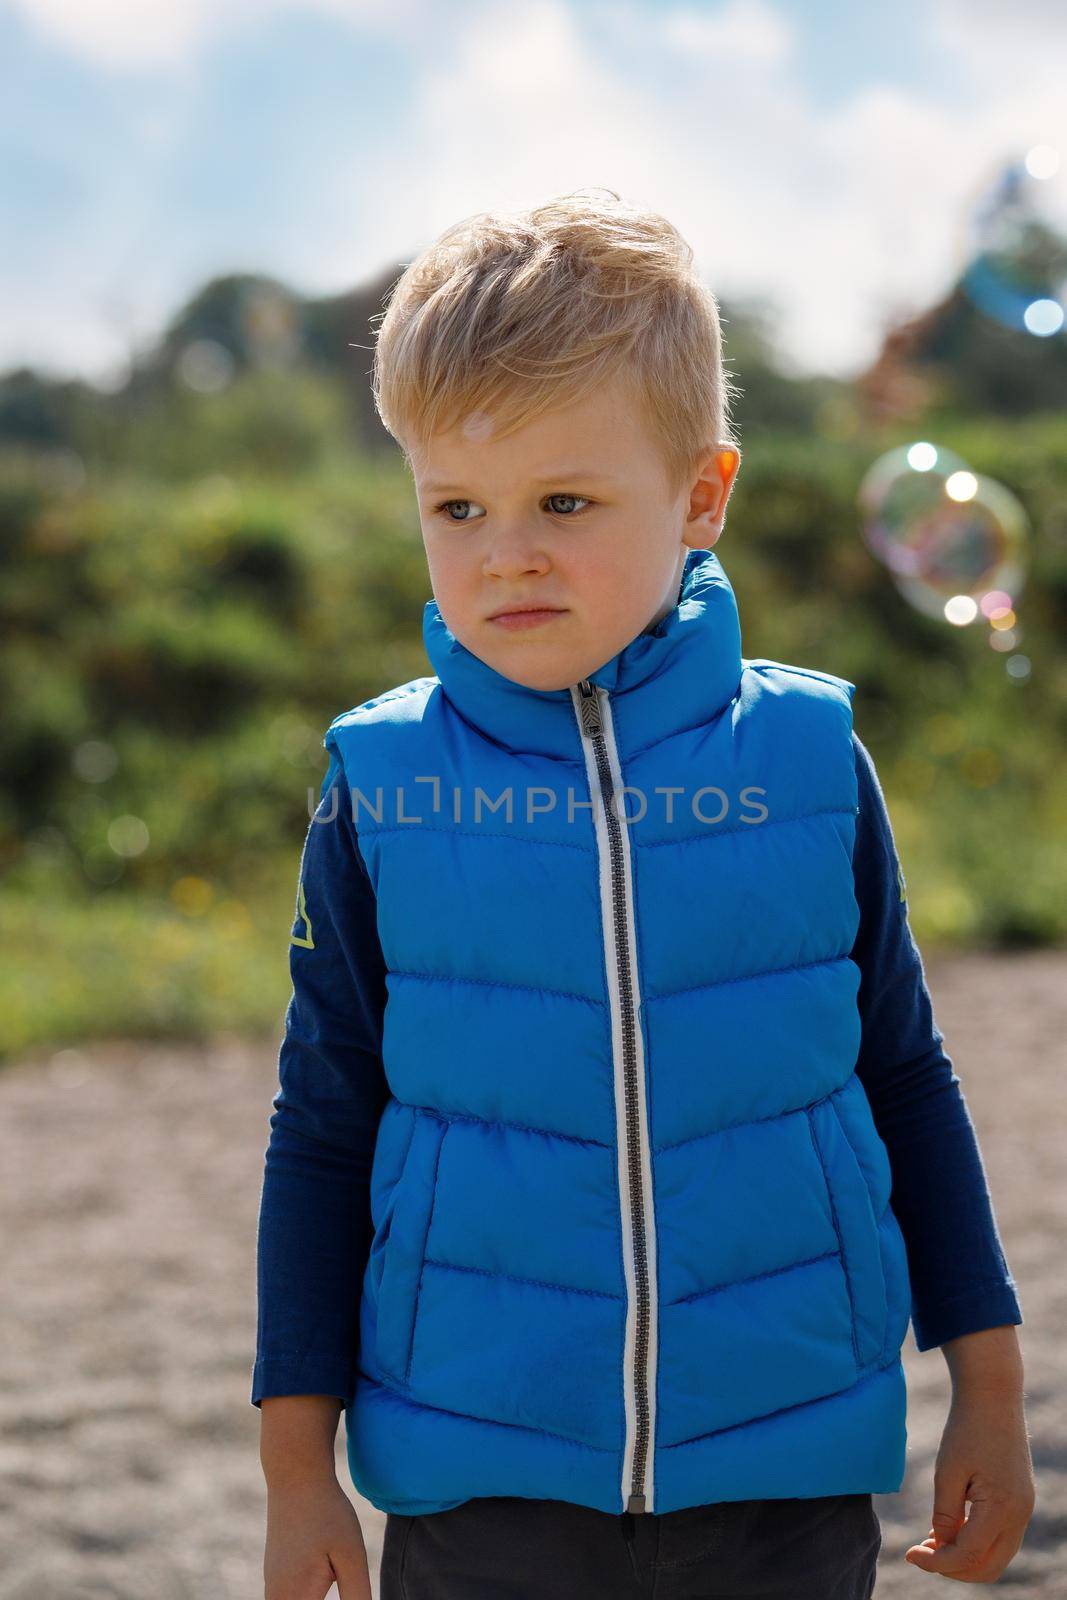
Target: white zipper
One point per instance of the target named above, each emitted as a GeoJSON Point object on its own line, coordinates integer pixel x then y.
{"type": "Point", "coordinates": [593, 709]}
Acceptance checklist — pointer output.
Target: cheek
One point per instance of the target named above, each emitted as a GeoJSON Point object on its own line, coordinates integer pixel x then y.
{"type": "Point", "coordinates": [456, 579]}
{"type": "Point", "coordinates": [607, 587]}
{"type": "Point", "coordinates": [587, 569]}
{"type": "Point", "coordinates": [447, 561]}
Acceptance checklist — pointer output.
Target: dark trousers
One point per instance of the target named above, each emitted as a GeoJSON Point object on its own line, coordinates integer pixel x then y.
{"type": "Point", "coordinates": [507, 1547]}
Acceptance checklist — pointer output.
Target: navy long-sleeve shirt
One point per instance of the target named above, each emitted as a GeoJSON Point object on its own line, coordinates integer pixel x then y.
{"type": "Point", "coordinates": [315, 1227]}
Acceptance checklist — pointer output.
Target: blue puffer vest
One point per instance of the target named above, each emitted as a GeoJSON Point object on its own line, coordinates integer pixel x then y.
{"type": "Point", "coordinates": [633, 1245]}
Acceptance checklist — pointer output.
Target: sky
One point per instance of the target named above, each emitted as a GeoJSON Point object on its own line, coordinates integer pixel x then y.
{"type": "Point", "coordinates": [820, 157]}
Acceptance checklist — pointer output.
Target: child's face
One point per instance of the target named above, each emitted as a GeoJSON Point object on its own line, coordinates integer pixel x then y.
{"type": "Point", "coordinates": [571, 512]}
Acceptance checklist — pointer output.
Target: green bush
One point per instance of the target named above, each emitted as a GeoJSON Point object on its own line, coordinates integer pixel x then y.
{"type": "Point", "coordinates": [174, 642]}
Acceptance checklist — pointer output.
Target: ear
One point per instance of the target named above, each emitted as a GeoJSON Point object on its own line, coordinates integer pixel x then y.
{"type": "Point", "coordinates": [716, 474]}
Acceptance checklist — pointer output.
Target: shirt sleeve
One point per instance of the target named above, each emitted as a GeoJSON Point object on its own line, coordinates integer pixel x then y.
{"type": "Point", "coordinates": [314, 1221]}
{"type": "Point", "coordinates": [940, 1195]}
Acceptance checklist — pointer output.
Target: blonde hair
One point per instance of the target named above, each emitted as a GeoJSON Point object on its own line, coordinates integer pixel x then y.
{"type": "Point", "coordinates": [512, 313]}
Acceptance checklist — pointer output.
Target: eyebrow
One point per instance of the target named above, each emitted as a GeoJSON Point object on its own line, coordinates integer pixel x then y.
{"type": "Point", "coordinates": [559, 476]}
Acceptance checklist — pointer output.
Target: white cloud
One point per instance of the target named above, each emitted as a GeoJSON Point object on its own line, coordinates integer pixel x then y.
{"type": "Point", "coordinates": [775, 197]}
{"type": "Point", "coordinates": [121, 33]}
{"type": "Point", "coordinates": [1016, 50]}
{"type": "Point", "coordinates": [843, 213]}
{"type": "Point", "coordinates": [849, 216]}
{"type": "Point", "coordinates": [743, 30]}
{"type": "Point", "coordinates": [138, 34]}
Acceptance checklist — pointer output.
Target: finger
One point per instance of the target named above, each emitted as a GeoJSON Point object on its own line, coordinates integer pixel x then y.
{"type": "Point", "coordinates": [968, 1555]}
{"type": "Point", "coordinates": [996, 1559]}
{"type": "Point", "coordinates": [353, 1580]}
{"type": "Point", "coordinates": [945, 1524]}
{"type": "Point", "coordinates": [943, 1530]}
{"type": "Point", "coordinates": [932, 1542]}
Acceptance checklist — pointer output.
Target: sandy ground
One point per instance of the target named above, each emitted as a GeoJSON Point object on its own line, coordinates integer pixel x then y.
{"type": "Point", "coordinates": [129, 1185]}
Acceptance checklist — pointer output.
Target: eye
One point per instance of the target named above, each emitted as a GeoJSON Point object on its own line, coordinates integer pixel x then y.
{"type": "Point", "coordinates": [569, 497]}
{"type": "Point", "coordinates": [442, 508]}
{"type": "Point", "coordinates": [444, 505]}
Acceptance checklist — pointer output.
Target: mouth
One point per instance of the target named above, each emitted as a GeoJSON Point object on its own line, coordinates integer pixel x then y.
{"type": "Point", "coordinates": [525, 616]}
{"type": "Point", "coordinates": [511, 611]}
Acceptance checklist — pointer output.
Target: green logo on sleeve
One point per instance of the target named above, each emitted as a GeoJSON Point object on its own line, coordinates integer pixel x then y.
{"type": "Point", "coordinates": [302, 915]}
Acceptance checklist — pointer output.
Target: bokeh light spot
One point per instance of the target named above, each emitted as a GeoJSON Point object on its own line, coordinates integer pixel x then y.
{"type": "Point", "coordinates": [961, 486]}
{"type": "Point", "coordinates": [961, 609]}
{"type": "Point", "coordinates": [1043, 318]}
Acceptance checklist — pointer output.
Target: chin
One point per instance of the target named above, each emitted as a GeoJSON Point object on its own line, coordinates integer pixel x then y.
{"type": "Point", "coordinates": [548, 683]}
{"type": "Point", "coordinates": [531, 678]}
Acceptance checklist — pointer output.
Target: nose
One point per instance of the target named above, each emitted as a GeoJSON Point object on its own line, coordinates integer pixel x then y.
{"type": "Point", "coordinates": [514, 554]}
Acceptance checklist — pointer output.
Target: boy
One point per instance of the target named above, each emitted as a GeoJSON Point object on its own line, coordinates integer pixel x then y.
{"type": "Point", "coordinates": [575, 1196]}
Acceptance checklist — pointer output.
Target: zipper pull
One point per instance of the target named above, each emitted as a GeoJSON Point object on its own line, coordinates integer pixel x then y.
{"type": "Point", "coordinates": [590, 706]}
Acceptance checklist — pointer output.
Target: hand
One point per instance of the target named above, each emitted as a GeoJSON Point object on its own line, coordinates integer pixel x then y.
{"type": "Point", "coordinates": [984, 1457]}
{"type": "Point", "coordinates": [314, 1540]}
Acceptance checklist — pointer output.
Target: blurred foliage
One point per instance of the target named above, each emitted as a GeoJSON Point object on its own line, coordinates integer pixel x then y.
{"type": "Point", "coordinates": [193, 584]}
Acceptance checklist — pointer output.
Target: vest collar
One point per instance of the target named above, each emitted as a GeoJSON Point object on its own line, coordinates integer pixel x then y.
{"type": "Point", "coordinates": [678, 675]}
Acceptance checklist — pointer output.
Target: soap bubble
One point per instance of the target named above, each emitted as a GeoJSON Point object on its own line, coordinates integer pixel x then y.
{"type": "Point", "coordinates": [899, 487]}
{"type": "Point", "coordinates": [971, 542]}
{"type": "Point", "coordinates": [955, 541]}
